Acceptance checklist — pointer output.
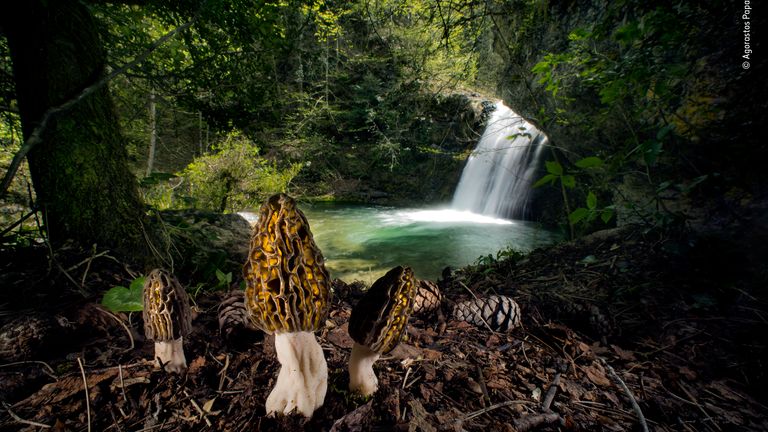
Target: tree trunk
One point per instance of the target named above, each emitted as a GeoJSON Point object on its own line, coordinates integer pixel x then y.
{"type": "Point", "coordinates": [79, 170]}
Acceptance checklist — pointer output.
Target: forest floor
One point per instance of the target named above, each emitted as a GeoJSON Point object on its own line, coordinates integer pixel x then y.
{"type": "Point", "coordinates": [622, 330]}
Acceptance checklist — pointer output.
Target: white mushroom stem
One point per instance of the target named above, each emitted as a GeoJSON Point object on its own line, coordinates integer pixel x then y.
{"type": "Point", "coordinates": [303, 377]}
{"type": "Point", "coordinates": [362, 378]}
{"type": "Point", "coordinates": [171, 355]}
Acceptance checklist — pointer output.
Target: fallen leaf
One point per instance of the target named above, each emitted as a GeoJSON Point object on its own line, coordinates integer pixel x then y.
{"type": "Point", "coordinates": [596, 376]}
{"type": "Point", "coordinates": [623, 354]}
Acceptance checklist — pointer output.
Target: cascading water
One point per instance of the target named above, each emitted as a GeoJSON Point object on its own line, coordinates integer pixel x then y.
{"type": "Point", "coordinates": [497, 178]}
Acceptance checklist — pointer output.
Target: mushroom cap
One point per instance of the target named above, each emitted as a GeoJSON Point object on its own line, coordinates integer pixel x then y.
{"type": "Point", "coordinates": [287, 285]}
{"type": "Point", "coordinates": [167, 315]}
{"type": "Point", "coordinates": [378, 320]}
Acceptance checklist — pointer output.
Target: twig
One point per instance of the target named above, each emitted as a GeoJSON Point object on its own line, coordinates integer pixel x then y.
{"type": "Point", "coordinates": [199, 410]}
{"type": "Point", "coordinates": [407, 373]}
{"type": "Point", "coordinates": [127, 330]}
{"type": "Point", "coordinates": [485, 410]}
{"type": "Point", "coordinates": [48, 369]}
{"type": "Point", "coordinates": [483, 387]}
{"type": "Point", "coordinates": [18, 222]}
{"type": "Point", "coordinates": [87, 397]}
{"type": "Point", "coordinates": [21, 420]}
{"type": "Point", "coordinates": [91, 258]}
{"type": "Point", "coordinates": [122, 383]}
{"type": "Point", "coordinates": [223, 373]}
{"type": "Point", "coordinates": [529, 422]}
{"type": "Point", "coordinates": [707, 416]}
{"type": "Point", "coordinates": [551, 393]}
{"type": "Point", "coordinates": [632, 400]}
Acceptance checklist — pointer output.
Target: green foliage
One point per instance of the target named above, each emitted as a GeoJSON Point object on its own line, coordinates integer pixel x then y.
{"type": "Point", "coordinates": [122, 299]}
{"type": "Point", "coordinates": [567, 182]}
{"type": "Point", "coordinates": [235, 177]}
{"type": "Point", "coordinates": [224, 280]}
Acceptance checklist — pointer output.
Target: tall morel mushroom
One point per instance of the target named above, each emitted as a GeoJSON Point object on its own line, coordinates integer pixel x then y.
{"type": "Point", "coordinates": [287, 293]}
{"type": "Point", "coordinates": [377, 323]}
{"type": "Point", "coordinates": [167, 319]}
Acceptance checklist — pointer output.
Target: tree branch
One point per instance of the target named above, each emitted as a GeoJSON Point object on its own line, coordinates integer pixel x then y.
{"type": "Point", "coordinates": [36, 137]}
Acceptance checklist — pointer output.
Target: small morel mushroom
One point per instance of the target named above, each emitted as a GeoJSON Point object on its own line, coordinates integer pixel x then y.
{"type": "Point", "coordinates": [428, 298]}
{"type": "Point", "coordinates": [287, 293]}
{"type": "Point", "coordinates": [167, 319]}
{"type": "Point", "coordinates": [376, 325]}
{"type": "Point", "coordinates": [497, 312]}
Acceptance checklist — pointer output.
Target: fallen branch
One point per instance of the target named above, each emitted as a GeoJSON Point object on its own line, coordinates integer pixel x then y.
{"type": "Point", "coordinates": [632, 400]}
{"type": "Point", "coordinates": [21, 420]}
{"type": "Point", "coordinates": [529, 422]}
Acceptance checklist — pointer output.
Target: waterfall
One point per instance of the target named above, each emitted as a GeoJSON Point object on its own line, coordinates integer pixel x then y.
{"type": "Point", "coordinates": [497, 178]}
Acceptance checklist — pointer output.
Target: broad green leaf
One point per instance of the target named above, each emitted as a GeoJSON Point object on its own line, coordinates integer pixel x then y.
{"type": "Point", "coordinates": [589, 162]}
{"type": "Point", "coordinates": [138, 283]}
{"type": "Point", "coordinates": [569, 181]}
{"type": "Point", "coordinates": [651, 151]}
{"type": "Point", "coordinates": [122, 299]}
{"type": "Point", "coordinates": [606, 215]}
{"type": "Point", "coordinates": [591, 200]}
{"type": "Point", "coordinates": [577, 215]}
{"type": "Point", "coordinates": [554, 167]}
{"type": "Point", "coordinates": [549, 178]}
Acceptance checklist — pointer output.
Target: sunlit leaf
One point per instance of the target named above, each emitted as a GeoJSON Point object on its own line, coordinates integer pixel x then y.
{"type": "Point", "coordinates": [549, 178]}
{"type": "Point", "coordinates": [122, 299]}
{"type": "Point", "coordinates": [554, 167]}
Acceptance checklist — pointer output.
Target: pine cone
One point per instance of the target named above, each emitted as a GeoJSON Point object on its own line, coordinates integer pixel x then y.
{"type": "Point", "coordinates": [232, 313]}
{"type": "Point", "coordinates": [500, 313]}
{"type": "Point", "coordinates": [428, 298]}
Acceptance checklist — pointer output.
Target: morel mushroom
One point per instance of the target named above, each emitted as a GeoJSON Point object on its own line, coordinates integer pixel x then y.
{"type": "Point", "coordinates": [167, 319]}
{"type": "Point", "coordinates": [497, 312]}
{"type": "Point", "coordinates": [377, 323]}
{"type": "Point", "coordinates": [287, 293]}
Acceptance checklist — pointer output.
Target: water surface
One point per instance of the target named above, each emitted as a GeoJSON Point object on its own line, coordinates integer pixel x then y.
{"type": "Point", "coordinates": [363, 242]}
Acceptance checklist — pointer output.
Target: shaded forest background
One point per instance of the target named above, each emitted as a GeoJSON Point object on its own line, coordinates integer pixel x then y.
{"type": "Point", "coordinates": [216, 105]}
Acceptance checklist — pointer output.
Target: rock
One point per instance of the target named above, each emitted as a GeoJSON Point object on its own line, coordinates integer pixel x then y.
{"type": "Point", "coordinates": [206, 241]}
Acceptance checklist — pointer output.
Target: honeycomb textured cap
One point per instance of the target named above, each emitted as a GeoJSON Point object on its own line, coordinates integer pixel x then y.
{"type": "Point", "coordinates": [378, 320]}
{"type": "Point", "coordinates": [167, 315]}
{"type": "Point", "coordinates": [287, 284]}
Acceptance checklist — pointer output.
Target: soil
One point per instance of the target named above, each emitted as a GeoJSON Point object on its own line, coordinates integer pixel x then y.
{"type": "Point", "coordinates": [623, 330]}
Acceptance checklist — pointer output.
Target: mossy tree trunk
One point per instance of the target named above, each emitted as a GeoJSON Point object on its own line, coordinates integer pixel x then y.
{"type": "Point", "coordinates": [79, 170]}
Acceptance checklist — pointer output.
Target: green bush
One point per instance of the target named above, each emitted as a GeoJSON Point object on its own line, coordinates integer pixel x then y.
{"type": "Point", "coordinates": [234, 177]}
